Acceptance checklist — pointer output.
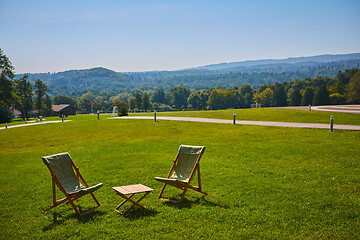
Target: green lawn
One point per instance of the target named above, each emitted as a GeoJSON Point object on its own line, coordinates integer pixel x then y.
{"type": "Point", "coordinates": [263, 182]}
{"type": "Point", "coordinates": [268, 114]}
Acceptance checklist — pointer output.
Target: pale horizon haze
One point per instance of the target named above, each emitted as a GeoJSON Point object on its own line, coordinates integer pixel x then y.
{"type": "Point", "coordinates": [128, 36]}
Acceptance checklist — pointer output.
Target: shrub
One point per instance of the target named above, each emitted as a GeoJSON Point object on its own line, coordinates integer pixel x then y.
{"type": "Point", "coordinates": [123, 107]}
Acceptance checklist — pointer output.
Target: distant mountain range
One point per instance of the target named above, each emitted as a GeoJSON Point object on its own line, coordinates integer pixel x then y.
{"type": "Point", "coordinates": [257, 72]}
{"type": "Point", "coordinates": [298, 60]}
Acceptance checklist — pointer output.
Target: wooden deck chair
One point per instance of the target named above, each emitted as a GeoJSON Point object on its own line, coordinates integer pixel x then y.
{"type": "Point", "coordinates": [61, 168]}
{"type": "Point", "coordinates": [183, 170]}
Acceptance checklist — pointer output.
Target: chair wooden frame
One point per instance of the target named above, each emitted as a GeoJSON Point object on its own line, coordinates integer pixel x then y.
{"type": "Point", "coordinates": [69, 198]}
{"type": "Point", "coordinates": [182, 185]}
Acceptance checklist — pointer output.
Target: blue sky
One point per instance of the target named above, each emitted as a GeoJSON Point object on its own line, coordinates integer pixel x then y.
{"type": "Point", "coordinates": [53, 36]}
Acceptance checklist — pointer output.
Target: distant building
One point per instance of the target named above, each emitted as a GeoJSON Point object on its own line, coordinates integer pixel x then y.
{"type": "Point", "coordinates": [63, 109]}
{"type": "Point", "coordinates": [17, 113]}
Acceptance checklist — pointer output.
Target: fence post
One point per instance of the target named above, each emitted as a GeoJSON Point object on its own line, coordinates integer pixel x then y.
{"type": "Point", "coordinates": [331, 123]}
{"type": "Point", "coordinates": [155, 115]}
{"type": "Point", "coordinates": [234, 118]}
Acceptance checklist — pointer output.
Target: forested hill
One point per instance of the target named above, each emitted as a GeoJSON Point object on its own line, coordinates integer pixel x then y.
{"type": "Point", "coordinates": [76, 82]}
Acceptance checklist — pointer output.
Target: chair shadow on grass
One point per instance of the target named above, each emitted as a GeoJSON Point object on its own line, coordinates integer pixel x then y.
{"type": "Point", "coordinates": [189, 203]}
{"type": "Point", "coordinates": [59, 218]}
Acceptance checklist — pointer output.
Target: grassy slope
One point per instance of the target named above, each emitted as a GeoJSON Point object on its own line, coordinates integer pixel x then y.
{"type": "Point", "coordinates": [263, 181]}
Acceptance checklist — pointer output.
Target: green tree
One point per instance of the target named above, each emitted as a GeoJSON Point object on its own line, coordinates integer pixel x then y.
{"type": "Point", "coordinates": [338, 87]}
{"type": "Point", "coordinates": [248, 99]}
{"type": "Point", "coordinates": [307, 97]}
{"type": "Point", "coordinates": [233, 99]}
{"type": "Point", "coordinates": [295, 97]}
{"type": "Point", "coordinates": [321, 96]}
{"type": "Point", "coordinates": [178, 97]}
{"type": "Point", "coordinates": [6, 82]}
{"type": "Point", "coordinates": [132, 104]}
{"type": "Point", "coordinates": [146, 101]}
{"type": "Point", "coordinates": [90, 96]}
{"type": "Point", "coordinates": [24, 96]}
{"type": "Point", "coordinates": [337, 98]}
{"type": "Point", "coordinates": [353, 89]}
{"type": "Point", "coordinates": [264, 98]}
{"type": "Point", "coordinates": [40, 93]}
{"type": "Point", "coordinates": [48, 106]}
{"type": "Point", "coordinates": [159, 96]}
{"type": "Point", "coordinates": [246, 88]}
{"type": "Point", "coordinates": [197, 100]}
{"type": "Point", "coordinates": [95, 107]}
{"type": "Point", "coordinates": [216, 99]}
{"type": "Point", "coordinates": [5, 114]}
{"type": "Point", "coordinates": [85, 105]}
{"type": "Point", "coordinates": [62, 99]}
{"type": "Point", "coordinates": [138, 101]}
{"type": "Point", "coordinates": [6, 88]}
{"type": "Point", "coordinates": [279, 96]}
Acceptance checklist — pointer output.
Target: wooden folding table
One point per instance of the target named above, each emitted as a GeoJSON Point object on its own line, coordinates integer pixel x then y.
{"type": "Point", "coordinates": [131, 190]}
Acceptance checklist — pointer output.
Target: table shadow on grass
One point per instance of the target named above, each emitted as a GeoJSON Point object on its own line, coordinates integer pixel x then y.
{"type": "Point", "coordinates": [138, 213]}
{"type": "Point", "coordinates": [186, 203]}
{"type": "Point", "coordinates": [63, 217]}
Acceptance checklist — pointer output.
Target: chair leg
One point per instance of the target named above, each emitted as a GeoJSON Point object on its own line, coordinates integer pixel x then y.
{"type": "Point", "coordinates": [74, 207]}
{"type": "Point", "coordinates": [183, 195]}
{"type": "Point", "coordinates": [95, 199]}
{"type": "Point", "coordinates": [162, 190]}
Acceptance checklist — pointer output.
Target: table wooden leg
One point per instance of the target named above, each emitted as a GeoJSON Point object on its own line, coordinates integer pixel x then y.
{"type": "Point", "coordinates": [132, 201]}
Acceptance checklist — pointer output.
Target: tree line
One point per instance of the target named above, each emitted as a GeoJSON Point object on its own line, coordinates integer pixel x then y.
{"type": "Point", "coordinates": [343, 89]}
{"type": "Point", "coordinates": [21, 94]}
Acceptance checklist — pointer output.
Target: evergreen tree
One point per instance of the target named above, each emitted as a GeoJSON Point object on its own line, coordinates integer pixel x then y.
{"type": "Point", "coordinates": [23, 96]}
{"type": "Point", "coordinates": [138, 101]}
{"type": "Point", "coordinates": [307, 97]}
{"type": "Point", "coordinates": [132, 104]}
{"type": "Point", "coordinates": [48, 106]}
{"type": "Point", "coordinates": [145, 101]}
{"type": "Point", "coordinates": [40, 93]}
{"type": "Point", "coordinates": [321, 96]}
{"type": "Point", "coordinates": [279, 96]}
{"type": "Point", "coordinates": [295, 97]}
{"type": "Point", "coordinates": [353, 89]}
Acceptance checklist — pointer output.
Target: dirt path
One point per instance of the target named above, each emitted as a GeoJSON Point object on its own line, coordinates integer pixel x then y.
{"type": "Point", "coordinates": [258, 123]}
{"type": "Point", "coordinates": [353, 109]}
{"type": "Point", "coordinates": [32, 124]}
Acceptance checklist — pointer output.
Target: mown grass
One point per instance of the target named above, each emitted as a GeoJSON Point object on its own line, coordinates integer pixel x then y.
{"type": "Point", "coordinates": [269, 114]}
{"type": "Point", "coordinates": [263, 182]}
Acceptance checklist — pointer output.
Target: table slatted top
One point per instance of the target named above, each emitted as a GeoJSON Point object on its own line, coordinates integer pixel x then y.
{"type": "Point", "coordinates": [131, 189]}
